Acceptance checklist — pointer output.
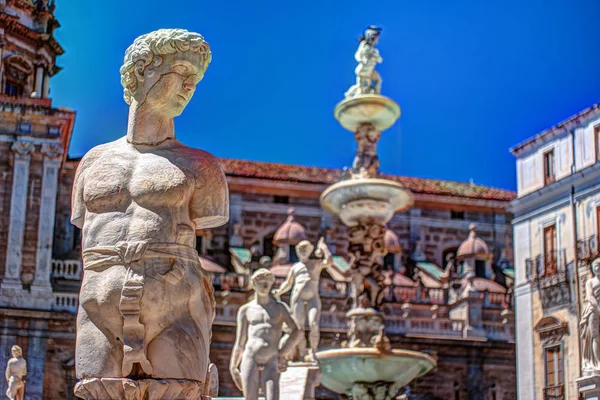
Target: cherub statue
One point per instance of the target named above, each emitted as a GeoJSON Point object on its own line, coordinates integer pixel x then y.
{"type": "Point", "coordinates": [368, 80]}
{"type": "Point", "coordinates": [305, 302]}
{"type": "Point", "coordinates": [366, 161]}
{"type": "Point", "coordinates": [590, 321]}
{"type": "Point", "coordinates": [257, 360]}
{"type": "Point", "coordinates": [16, 369]}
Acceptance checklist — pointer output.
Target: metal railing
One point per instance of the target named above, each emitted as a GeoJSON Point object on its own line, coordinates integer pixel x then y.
{"type": "Point", "coordinates": [66, 269]}
{"type": "Point", "coordinates": [547, 269]}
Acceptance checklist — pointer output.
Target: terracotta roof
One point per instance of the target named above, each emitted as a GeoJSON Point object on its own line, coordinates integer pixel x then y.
{"type": "Point", "coordinates": [303, 174]}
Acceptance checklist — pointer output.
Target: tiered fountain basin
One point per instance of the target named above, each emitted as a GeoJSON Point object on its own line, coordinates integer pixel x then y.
{"type": "Point", "coordinates": [341, 369]}
{"type": "Point", "coordinates": [366, 200]}
{"type": "Point", "coordinates": [378, 110]}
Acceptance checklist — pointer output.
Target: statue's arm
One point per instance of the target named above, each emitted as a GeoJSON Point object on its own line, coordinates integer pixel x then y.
{"type": "Point", "coordinates": [327, 256]}
{"type": "Point", "coordinates": [589, 290]}
{"type": "Point", "coordinates": [287, 284]}
{"type": "Point", "coordinates": [209, 207]}
{"type": "Point", "coordinates": [240, 340]}
{"type": "Point", "coordinates": [294, 334]}
{"type": "Point", "coordinates": [9, 365]}
{"type": "Point", "coordinates": [78, 209]}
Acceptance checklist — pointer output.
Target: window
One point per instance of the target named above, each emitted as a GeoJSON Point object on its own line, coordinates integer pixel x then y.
{"type": "Point", "coordinates": [597, 138]}
{"type": "Point", "coordinates": [554, 366]}
{"type": "Point", "coordinates": [13, 89]}
{"type": "Point", "coordinates": [550, 259]}
{"type": "Point", "coordinates": [549, 167]}
{"type": "Point", "coordinates": [24, 127]}
{"type": "Point", "coordinates": [281, 199]}
{"type": "Point", "coordinates": [480, 268]}
{"type": "Point", "coordinates": [457, 214]}
{"type": "Point", "coordinates": [293, 257]}
{"type": "Point", "coordinates": [53, 130]}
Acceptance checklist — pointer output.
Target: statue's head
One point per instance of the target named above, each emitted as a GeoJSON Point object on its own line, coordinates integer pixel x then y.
{"type": "Point", "coordinates": [304, 249]}
{"type": "Point", "coordinates": [262, 281]}
{"type": "Point", "coordinates": [596, 267]}
{"type": "Point", "coordinates": [162, 68]}
{"type": "Point", "coordinates": [16, 351]}
{"type": "Point", "coordinates": [371, 35]}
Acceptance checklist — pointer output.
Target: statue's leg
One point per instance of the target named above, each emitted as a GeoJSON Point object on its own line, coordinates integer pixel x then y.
{"type": "Point", "coordinates": [299, 315]}
{"type": "Point", "coordinates": [250, 378]}
{"type": "Point", "coordinates": [314, 317]}
{"type": "Point", "coordinates": [270, 380]}
{"type": "Point", "coordinates": [377, 79]}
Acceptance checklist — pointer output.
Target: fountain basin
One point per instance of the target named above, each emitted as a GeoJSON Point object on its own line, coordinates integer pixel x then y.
{"type": "Point", "coordinates": [366, 200]}
{"type": "Point", "coordinates": [379, 110]}
{"type": "Point", "coordinates": [342, 368]}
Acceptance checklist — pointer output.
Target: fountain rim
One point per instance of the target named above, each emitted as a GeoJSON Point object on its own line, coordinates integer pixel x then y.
{"type": "Point", "coordinates": [366, 351]}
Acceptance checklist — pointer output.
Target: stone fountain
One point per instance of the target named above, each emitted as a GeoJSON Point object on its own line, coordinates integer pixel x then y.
{"type": "Point", "coordinates": [366, 367]}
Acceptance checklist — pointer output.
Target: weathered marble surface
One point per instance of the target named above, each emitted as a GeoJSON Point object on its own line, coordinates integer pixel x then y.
{"type": "Point", "coordinates": [259, 354]}
{"type": "Point", "coordinates": [146, 305]}
{"type": "Point", "coordinates": [305, 302]}
{"type": "Point", "coordinates": [16, 370]}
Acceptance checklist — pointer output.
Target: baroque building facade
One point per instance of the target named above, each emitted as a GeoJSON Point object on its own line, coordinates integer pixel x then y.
{"type": "Point", "coordinates": [556, 222]}
{"type": "Point", "coordinates": [448, 271]}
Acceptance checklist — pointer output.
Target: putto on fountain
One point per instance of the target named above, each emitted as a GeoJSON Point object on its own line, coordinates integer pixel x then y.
{"type": "Point", "coordinates": [368, 80]}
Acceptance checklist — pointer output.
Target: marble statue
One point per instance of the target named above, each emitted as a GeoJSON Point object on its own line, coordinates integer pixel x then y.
{"type": "Point", "coordinates": [366, 162]}
{"type": "Point", "coordinates": [16, 370]}
{"type": "Point", "coordinates": [368, 80]}
{"type": "Point", "coordinates": [590, 322]}
{"type": "Point", "coordinates": [146, 304]}
{"type": "Point", "coordinates": [303, 278]}
{"type": "Point", "coordinates": [258, 357]}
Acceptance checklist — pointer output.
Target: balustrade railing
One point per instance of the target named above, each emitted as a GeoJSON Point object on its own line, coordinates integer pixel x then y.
{"type": "Point", "coordinates": [66, 269]}
{"type": "Point", "coordinates": [554, 392]}
{"type": "Point", "coordinates": [548, 268]}
{"type": "Point", "coordinates": [65, 302]}
{"type": "Point", "coordinates": [587, 249]}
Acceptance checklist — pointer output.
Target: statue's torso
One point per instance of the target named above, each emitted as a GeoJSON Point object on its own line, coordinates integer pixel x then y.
{"type": "Point", "coordinates": [264, 330]}
{"type": "Point", "coordinates": [138, 195]}
{"type": "Point", "coordinates": [18, 367]}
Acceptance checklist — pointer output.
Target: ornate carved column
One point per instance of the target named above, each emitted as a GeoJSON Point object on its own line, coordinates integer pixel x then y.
{"type": "Point", "coordinates": [52, 158]}
{"type": "Point", "coordinates": [18, 209]}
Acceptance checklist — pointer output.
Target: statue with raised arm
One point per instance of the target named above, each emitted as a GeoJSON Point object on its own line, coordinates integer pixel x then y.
{"type": "Point", "coordinates": [368, 80]}
{"type": "Point", "coordinates": [16, 370]}
{"type": "Point", "coordinates": [590, 322]}
{"type": "Point", "coordinates": [257, 359]}
{"type": "Point", "coordinates": [146, 305]}
{"type": "Point", "coordinates": [305, 302]}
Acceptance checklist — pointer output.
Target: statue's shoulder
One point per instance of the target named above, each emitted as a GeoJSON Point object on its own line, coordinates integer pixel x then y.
{"type": "Point", "coordinates": [200, 160]}
{"type": "Point", "coordinates": [96, 151]}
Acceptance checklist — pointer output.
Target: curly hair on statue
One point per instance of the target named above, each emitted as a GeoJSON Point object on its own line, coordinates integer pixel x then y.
{"type": "Point", "coordinates": [149, 49]}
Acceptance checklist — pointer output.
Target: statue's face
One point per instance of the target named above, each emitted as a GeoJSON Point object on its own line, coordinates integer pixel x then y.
{"type": "Point", "coordinates": [169, 87]}
{"type": "Point", "coordinates": [304, 252]}
{"type": "Point", "coordinates": [596, 268]}
{"type": "Point", "coordinates": [263, 285]}
{"type": "Point", "coordinates": [15, 353]}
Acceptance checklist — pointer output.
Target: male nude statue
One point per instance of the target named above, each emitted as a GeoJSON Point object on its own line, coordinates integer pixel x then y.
{"type": "Point", "coordinates": [139, 200]}
{"type": "Point", "coordinates": [257, 360]}
{"type": "Point", "coordinates": [16, 369]}
{"type": "Point", "coordinates": [304, 277]}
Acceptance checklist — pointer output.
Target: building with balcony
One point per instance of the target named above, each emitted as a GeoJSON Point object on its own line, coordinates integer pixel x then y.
{"type": "Point", "coordinates": [555, 231]}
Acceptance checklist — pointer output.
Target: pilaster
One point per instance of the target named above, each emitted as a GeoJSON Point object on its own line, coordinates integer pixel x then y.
{"type": "Point", "coordinates": [41, 285]}
{"type": "Point", "coordinates": [18, 207]}
{"type": "Point", "coordinates": [36, 356]}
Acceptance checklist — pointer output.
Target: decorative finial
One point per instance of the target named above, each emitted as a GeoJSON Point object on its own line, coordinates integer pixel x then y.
{"type": "Point", "coordinates": [473, 229]}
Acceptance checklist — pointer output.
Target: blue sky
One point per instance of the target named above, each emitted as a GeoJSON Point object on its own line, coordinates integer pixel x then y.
{"type": "Point", "coordinates": [473, 78]}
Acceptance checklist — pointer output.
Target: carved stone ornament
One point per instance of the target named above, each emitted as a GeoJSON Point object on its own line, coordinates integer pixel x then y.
{"type": "Point", "coordinates": [146, 305]}
{"type": "Point", "coordinates": [23, 148]}
{"type": "Point", "coordinates": [52, 151]}
{"type": "Point", "coordinates": [551, 330]}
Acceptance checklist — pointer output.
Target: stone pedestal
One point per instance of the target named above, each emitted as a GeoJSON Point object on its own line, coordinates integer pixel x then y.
{"type": "Point", "coordinates": [589, 387]}
{"type": "Point", "coordinates": [299, 381]}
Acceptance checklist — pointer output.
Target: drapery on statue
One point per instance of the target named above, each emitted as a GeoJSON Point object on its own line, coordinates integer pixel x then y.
{"type": "Point", "coordinates": [146, 305]}
{"type": "Point", "coordinates": [257, 360]}
{"type": "Point", "coordinates": [305, 302]}
{"type": "Point", "coordinates": [368, 80]}
{"type": "Point", "coordinates": [589, 325]}
{"type": "Point", "coordinates": [16, 370]}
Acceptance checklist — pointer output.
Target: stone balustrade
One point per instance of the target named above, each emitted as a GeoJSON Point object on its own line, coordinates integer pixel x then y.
{"type": "Point", "coordinates": [66, 269]}
{"type": "Point", "coordinates": [65, 302]}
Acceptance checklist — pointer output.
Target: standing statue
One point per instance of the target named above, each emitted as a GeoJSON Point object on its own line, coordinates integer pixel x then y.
{"type": "Point", "coordinates": [366, 161]}
{"type": "Point", "coordinates": [589, 325]}
{"type": "Point", "coordinates": [16, 369]}
{"type": "Point", "coordinates": [257, 359]}
{"type": "Point", "coordinates": [146, 305]}
{"type": "Point", "coordinates": [305, 301]}
{"type": "Point", "coordinates": [368, 80]}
